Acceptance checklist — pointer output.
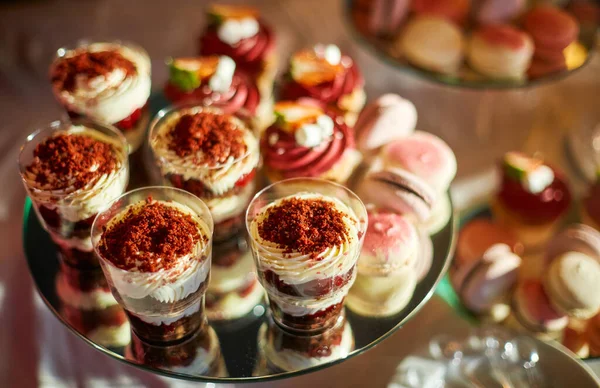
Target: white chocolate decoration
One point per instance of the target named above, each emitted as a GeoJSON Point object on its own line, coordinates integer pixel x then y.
{"type": "Point", "coordinates": [331, 53]}
{"type": "Point", "coordinates": [311, 135]}
{"type": "Point", "coordinates": [223, 76]}
{"type": "Point", "coordinates": [537, 180]}
{"type": "Point", "coordinates": [233, 31]}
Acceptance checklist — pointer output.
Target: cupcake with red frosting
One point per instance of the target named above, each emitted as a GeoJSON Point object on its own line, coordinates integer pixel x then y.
{"type": "Point", "coordinates": [308, 141]}
{"type": "Point", "coordinates": [533, 199]}
{"type": "Point", "coordinates": [216, 80]}
{"type": "Point", "coordinates": [324, 73]}
{"type": "Point", "coordinates": [590, 208]}
{"type": "Point", "coordinates": [106, 82]}
{"type": "Point", "coordinates": [239, 33]}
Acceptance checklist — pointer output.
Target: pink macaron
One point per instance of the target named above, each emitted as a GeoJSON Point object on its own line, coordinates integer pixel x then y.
{"type": "Point", "coordinates": [486, 282]}
{"type": "Point", "coordinates": [391, 243]}
{"type": "Point", "coordinates": [576, 238]}
{"type": "Point", "coordinates": [425, 258]}
{"type": "Point", "coordinates": [456, 11]}
{"type": "Point", "coordinates": [398, 191]}
{"type": "Point", "coordinates": [386, 16]}
{"type": "Point", "coordinates": [499, 11]}
{"type": "Point", "coordinates": [424, 155]}
{"type": "Point", "coordinates": [551, 27]}
{"type": "Point", "coordinates": [533, 309]}
{"type": "Point", "coordinates": [388, 118]}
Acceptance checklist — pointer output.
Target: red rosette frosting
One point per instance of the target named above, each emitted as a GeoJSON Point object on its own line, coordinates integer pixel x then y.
{"type": "Point", "coordinates": [243, 94]}
{"type": "Point", "coordinates": [248, 53]}
{"type": "Point", "coordinates": [592, 203]}
{"type": "Point", "coordinates": [290, 159]}
{"type": "Point", "coordinates": [329, 92]}
{"type": "Point", "coordinates": [539, 208]}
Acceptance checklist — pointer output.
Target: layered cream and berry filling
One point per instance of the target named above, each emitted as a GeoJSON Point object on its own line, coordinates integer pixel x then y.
{"type": "Point", "coordinates": [156, 257]}
{"type": "Point", "coordinates": [107, 326]}
{"type": "Point", "coordinates": [73, 174]}
{"type": "Point", "coordinates": [212, 155]}
{"type": "Point", "coordinates": [107, 82]}
{"type": "Point", "coordinates": [324, 73]}
{"type": "Point", "coordinates": [288, 352]}
{"type": "Point", "coordinates": [308, 141]}
{"type": "Point", "coordinates": [306, 247]}
{"type": "Point", "coordinates": [83, 289]}
{"type": "Point", "coordinates": [214, 80]}
{"type": "Point", "coordinates": [239, 33]}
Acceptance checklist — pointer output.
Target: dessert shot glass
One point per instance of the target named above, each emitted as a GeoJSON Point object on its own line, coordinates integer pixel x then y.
{"type": "Point", "coordinates": [72, 170]}
{"type": "Point", "coordinates": [105, 81]}
{"type": "Point", "coordinates": [306, 236]}
{"type": "Point", "coordinates": [155, 246]}
{"type": "Point", "coordinates": [211, 154]}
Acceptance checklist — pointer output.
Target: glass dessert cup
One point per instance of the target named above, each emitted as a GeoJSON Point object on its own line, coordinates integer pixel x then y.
{"type": "Point", "coordinates": [67, 214]}
{"type": "Point", "coordinates": [233, 182]}
{"type": "Point", "coordinates": [164, 304]}
{"type": "Point", "coordinates": [124, 106]}
{"type": "Point", "coordinates": [306, 293]}
{"type": "Point", "coordinates": [282, 351]}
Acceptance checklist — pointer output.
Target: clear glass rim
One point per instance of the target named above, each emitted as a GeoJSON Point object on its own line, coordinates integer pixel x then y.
{"type": "Point", "coordinates": [164, 113]}
{"type": "Point", "coordinates": [94, 227]}
{"type": "Point", "coordinates": [65, 123]}
{"type": "Point", "coordinates": [350, 193]}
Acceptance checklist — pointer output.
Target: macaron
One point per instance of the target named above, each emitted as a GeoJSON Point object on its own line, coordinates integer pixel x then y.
{"type": "Point", "coordinates": [487, 281]}
{"type": "Point", "coordinates": [534, 311]}
{"type": "Point", "coordinates": [500, 51]}
{"type": "Point", "coordinates": [456, 11]}
{"type": "Point", "coordinates": [425, 256]}
{"type": "Point", "coordinates": [398, 191]}
{"type": "Point", "coordinates": [425, 155]}
{"type": "Point", "coordinates": [576, 238]}
{"type": "Point", "coordinates": [391, 243]}
{"type": "Point", "coordinates": [441, 212]}
{"type": "Point", "coordinates": [433, 43]}
{"type": "Point", "coordinates": [499, 11]}
{"type": "Point", "coordinates": [476, 236]}
{"type": "Point", "coordinates": [573, 285]}
{"type": "Point", "coordinates": [386, 16]}
{"type": "Point", "coordinates": [388, 118]}
{"type": "Point", "coordinates": [551, 27]}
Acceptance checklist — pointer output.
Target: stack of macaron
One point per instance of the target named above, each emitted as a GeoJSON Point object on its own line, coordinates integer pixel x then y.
{"type": "Point", "coordinates": [497, 39]}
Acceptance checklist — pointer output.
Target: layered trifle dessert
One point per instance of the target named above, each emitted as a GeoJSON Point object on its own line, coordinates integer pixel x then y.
{"type": "Point", "coordinates": [210, 154]}
{"type": "Point", "coordinates": [198, 355]}
{"type": "Point", "coordinates": [282, 351]}
{"type": "Point", "coordinates": [154, 246]}
{"type": "Point", "coordinates": [88, 305]}
{"type": "Point", "coordinates": [107, 82]}
{"type": "Point", "coordinates": [306, 245]}
{"type": "Point", "coordinates": [215, 80]}
{"type": "Point", "coordinates": [324, 73]}
{"type": "Point", "coordinates": [307, 140]}
{"type": "Point", "coordinates": [234, 289]}
{"type": "Point", "coordinates": [71, 172]}
{"type": "Point", "coordinates": [240, 33]}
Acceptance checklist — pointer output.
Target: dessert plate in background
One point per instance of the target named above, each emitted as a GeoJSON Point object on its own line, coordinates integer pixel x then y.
{"type": "Point", "coordinates": [238, 339]}
{"type": "Point", "coordinates": [381, 47]}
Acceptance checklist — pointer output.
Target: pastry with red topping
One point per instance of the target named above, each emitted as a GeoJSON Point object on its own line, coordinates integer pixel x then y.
{"type": "Point", "coordinates": [307, 140]}
{"type": "Point", "coordinates": [500, 51]}
{"type": "Point", "coordinates": [215, 80]}
{"type": "Point", "coordinates": [234, 289]}
{"type": "Point", "coordinates": [240, 33]}
{"type": "Point", "coordinates": [387, 274]}
{"type": "Point", "coordinates": [106, 82]}
{"type": "Point", "coordinates": [533, 199]}
{"type": "Point", "coordinates": [306, 246]}
{"type": "Point", "coordinates": [210, 154]}
{"type": "Point", "coordinates": [71, 171]}
{"type": "Point", "coordinates": [590, 207]}
{"type": "Point", "coordinates": [154, 245]}
{"type": "Point", "coordinates": [327, 75]}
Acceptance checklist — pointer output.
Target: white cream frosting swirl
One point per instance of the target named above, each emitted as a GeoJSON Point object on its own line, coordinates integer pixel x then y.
{"type": "Point", "coordinates": [79, 204]}
{"type": "Point", "coordinates": [165, 285]}
{"type": "Point", "coordinates": [112, 97]}
{"type": "Point", "coordinates": [219, 179]}
{"type": "Point", "coordinates": [299, 268]}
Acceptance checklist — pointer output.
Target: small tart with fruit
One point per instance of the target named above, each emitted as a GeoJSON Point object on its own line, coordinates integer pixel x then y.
{"type": "Point", "coordinates": [307, 140]}
{"type": "Point", "coordinates": [325, 74]}
{"type": "Point", "coordinates": [211, 80]}
{"type": "Point", "coordinates": [590, 211]}
{"type": "Point", "coordinates": [533, 198]}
